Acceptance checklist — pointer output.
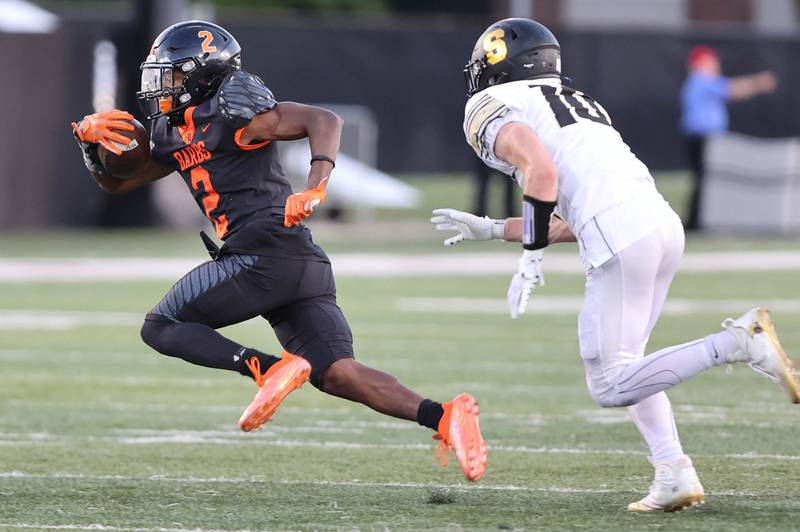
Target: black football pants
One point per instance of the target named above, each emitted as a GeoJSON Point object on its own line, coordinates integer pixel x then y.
{"type": "Point", "coordinates": [297, 297]}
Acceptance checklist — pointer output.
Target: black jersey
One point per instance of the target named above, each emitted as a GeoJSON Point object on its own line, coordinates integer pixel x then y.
{"type": "Point", "coordinates": [240, 188]}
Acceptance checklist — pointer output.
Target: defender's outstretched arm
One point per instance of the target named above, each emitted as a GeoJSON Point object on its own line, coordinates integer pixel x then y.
{"type": "Point", "coordinates": [471, 227]}
{"type": "Point", "coordinates": [559, 231]}
{"type": "Point", "coordinates": [518, 145]}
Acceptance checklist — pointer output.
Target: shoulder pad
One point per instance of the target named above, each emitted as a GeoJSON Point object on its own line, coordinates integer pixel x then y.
{"type": "Point", "coordinates": [482, 113]}
{"type": "Point", "coordinates": [243, 96]}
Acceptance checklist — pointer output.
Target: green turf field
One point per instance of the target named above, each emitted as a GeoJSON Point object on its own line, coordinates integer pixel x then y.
{"type": "Point", "coordinates": [99, 432]}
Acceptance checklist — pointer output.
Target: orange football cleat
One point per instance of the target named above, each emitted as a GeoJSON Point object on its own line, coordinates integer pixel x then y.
{"type": "Point", "coordinates": [284, 377]}
{"type": "Point", "coordinates": [460, 430]}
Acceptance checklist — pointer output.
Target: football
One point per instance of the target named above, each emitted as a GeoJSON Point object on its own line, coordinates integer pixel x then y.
{"type": "Point", "coordinates": [133, 157]}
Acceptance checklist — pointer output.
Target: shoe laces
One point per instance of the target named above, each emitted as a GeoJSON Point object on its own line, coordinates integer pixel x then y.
{"type": "Point", "coordinates": [443, 450]}
{"type": "Point", "coordinates": [727, 323]}
{"type": "Point", "coordinates": [254, 365]}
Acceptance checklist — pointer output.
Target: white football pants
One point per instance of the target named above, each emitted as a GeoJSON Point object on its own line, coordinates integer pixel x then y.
{"type": "Point", "coordinates": [624, 298]}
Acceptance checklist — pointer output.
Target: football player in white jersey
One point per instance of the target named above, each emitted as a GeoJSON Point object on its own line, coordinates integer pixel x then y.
{"type": "Point", "coordinates": [582, 183]}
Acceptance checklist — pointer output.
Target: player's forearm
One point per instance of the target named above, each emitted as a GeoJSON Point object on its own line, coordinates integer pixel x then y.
{"type": "Point", "coordinates": [108, 183]}
{"type": "Point", "coordinates": [559, 231]}
{"type": "Point", "coordinates": [152, 171]}
{"type": "Point", "coordinates": [541, 181]}
{"type": "Point", "coordinates": [744, 87]}
{"type": "Point", "coordinates": [324, 134]}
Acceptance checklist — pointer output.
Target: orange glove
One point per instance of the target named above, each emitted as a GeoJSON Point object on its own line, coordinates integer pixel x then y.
{"type": "Point", "coordinates": [99, 129]}
{"type": "Point", "coordinates": [300, 205]}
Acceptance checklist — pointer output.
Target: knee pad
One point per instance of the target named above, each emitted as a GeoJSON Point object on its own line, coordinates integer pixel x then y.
{"type": "Point", "coordinates": [603, 398]}
{"type": "Point", "coordinates": [152, 329]}
{"type": "Point", "coordinates": [605, 393]}
{"type": "Point", "coordinates": [609, 397]}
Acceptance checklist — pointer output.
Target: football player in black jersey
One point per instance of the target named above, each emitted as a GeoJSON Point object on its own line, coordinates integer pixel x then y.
{"type": "Point", "coordinates": [217, 125]}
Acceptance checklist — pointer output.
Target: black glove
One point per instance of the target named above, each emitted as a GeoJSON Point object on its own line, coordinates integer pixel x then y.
{"type": "Point", "coordinates": [90, 156]}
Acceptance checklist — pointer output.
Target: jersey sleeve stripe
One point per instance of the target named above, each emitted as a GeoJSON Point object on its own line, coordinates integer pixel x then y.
{"type": "Point", "coordinates": [238, 138]}
{"type": "Point", "coordinates": [500, 113]}
{"type": "Point", "coordinates": [476, 127]}
{"type": "Point", "coordinates": [475, 108]}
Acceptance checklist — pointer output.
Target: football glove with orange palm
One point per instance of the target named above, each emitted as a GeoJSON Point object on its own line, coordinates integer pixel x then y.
{"type": "Point", "coordinates": [99, 129]}
{"type": "Point", "coordinates": [300, 205]}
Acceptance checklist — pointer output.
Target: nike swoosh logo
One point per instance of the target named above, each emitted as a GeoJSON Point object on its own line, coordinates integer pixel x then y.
{"type": "Point", "coordinates": [203, 129]}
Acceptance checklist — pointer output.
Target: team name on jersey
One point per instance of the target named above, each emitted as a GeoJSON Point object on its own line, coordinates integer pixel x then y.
{"type": "Point", "coordinates": [192, 155]}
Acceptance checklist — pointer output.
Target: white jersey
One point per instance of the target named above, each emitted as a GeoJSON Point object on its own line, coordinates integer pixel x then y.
{"type": "Point", "coordinates": [596, 169]}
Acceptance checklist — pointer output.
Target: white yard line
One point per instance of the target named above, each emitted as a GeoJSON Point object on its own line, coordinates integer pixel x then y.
{"type": "Point", "coordinates": [708, 417]}
{"type": "Point", "coordinates": [335, 483]}
{"type": "Point", "coordinates": [156, 437]}
{"type": "Point", "coordinates": [32, 319]}
{"type": "Point", "coordinates": [371, 265]}
{"type": "Point", "coordinates": [97, 526]}
{"type": "Point", "coordinates": [570, 305]}
{"type": "Point", "coordinates": [65, 319]}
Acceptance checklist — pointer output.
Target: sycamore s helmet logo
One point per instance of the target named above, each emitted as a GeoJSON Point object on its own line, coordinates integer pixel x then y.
{"type": "Point", "coordinates": [512, 49]}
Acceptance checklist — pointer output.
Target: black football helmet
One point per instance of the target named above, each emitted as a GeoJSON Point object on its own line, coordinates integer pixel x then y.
{"type": "Point", "coordinates": [512, 49]}
{"type": "Point", "coordinates": [203, 52]}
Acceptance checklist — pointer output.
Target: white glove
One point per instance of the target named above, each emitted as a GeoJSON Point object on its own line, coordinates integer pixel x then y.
{"type": "Point", "coordinates": [528, 276]}
{"type": "Point", "coordinates": [469, 226]}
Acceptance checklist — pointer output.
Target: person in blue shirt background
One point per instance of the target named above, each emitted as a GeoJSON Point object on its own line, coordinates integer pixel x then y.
{"type": "Point", "coordinates": [704, 97]}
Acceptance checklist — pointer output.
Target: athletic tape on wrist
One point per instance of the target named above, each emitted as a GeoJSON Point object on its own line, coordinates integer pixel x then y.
{"type": "Point", "coordinates": [536, 222]}
{"type": "Point", "coordinates": [498, 229]}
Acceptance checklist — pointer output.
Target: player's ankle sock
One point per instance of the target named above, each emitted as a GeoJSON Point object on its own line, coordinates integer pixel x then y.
{"type": "Point", "coordinates": [244, 354]}
{"type": "Point", "coordinates": [656, 423]}
{"type": "Point", "coordinates": [429, 414]}
{"type": "Point", "coordinates": [720, 345]}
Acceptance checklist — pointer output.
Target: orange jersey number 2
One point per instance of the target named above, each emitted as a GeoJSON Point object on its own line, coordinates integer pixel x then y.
{"type": "Point", "coordinates": [210, 200]}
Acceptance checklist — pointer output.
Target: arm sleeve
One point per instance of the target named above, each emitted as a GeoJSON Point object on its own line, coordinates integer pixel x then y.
{"type": "Point", "coordinates": [484, 120]}
{"type": "Point", "coordinates": [719, 87]}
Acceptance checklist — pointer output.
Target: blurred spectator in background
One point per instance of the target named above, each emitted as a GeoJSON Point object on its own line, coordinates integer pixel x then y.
{"type": "Point", "coordinates": [483, 175]}
{"type": "Point", "coordinates": [704, 96]}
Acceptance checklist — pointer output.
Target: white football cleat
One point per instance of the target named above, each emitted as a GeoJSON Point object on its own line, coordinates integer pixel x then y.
{"type": "Point", "coordinates": [675, 488]}
{"type": "Point", "coordinates": [760, 348]}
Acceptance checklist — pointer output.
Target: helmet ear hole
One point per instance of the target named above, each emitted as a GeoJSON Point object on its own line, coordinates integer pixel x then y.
{"type": "Point", "coordinates": [497, 79]}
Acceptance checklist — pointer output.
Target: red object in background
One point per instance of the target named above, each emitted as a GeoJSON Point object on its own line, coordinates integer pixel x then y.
{"type": "Point", "coordinates": [699, 53]}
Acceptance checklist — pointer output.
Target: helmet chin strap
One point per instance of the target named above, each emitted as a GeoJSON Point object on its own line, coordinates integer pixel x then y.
{"type": "Point", "coordinates": [175, 118]}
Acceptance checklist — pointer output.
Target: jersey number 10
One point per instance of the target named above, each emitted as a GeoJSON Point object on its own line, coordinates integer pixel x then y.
{"type": "Point", "coordinates": [570, 105]}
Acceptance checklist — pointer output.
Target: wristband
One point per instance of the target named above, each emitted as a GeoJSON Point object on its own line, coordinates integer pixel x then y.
{"type": "Point", "coordinates": [323, 158]}
{"type": "Point", "coordinates": [536, 222]}
{"type": "Point", "coordinates": [498, 229]}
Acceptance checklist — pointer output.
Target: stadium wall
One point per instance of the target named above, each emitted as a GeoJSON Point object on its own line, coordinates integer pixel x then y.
{"type": "Point", "coordinates": [407, 71]}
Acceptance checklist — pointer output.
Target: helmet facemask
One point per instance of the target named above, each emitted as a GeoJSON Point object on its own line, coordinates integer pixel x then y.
{"type": "Point", "coordinates": [186, 66]}
{"type": "Point", "coordinates": [472, 75]}
{"type": "Point", "coordinates": [163, 90]}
